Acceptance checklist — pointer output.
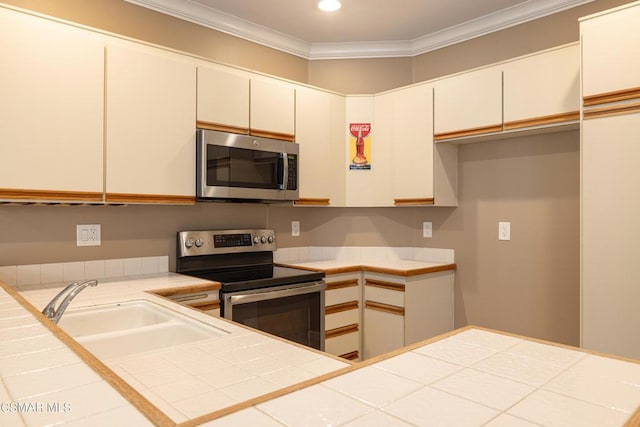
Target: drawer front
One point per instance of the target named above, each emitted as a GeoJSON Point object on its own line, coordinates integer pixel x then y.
{"type": "Point", "coordinates": [342, 318]}
{"type": "Point", "coordinates": [385, 296]}
{"type": "Point", "coordinates": [343, 344]}
{"type": "Point", "coordinates": [341, 295]}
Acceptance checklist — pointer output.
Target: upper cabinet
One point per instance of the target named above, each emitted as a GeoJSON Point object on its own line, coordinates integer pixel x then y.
{"type": "Point", "coordinates": [532, 92]}
{"type": "Point", "coordinates": [421, 174]}
{"type": "Point", "coordinates": [468, 104]}
{"type": "Point", "coordinates": [272, 109]}
{"type": "Point", "coordinates": [235, 101]}
{"type": "Point", "coordinates": [319, 129]}
{"type": "Point", "coordinates": [51, 110]}
{"type": "Point", "coordinates": [610, 56]}
{"type": "Point", "coordinates": [150, 126]}
{"type": "Point", "coordinates": [542, 89]}
{"type": "Point", "coordinates": [413, 146]}
{"type": "Point", "coordinates": [223, 99]}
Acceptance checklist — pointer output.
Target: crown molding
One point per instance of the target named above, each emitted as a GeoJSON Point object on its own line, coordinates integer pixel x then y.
{"type": "Point", "coordinates": [229, 24]}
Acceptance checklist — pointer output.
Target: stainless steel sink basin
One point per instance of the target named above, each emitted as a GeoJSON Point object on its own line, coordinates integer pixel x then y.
{"type": "Point", "coordinates": [119, 329]}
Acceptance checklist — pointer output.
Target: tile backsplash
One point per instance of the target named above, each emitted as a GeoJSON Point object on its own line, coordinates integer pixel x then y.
{"type": "Point", "coordinates": [42, 274]}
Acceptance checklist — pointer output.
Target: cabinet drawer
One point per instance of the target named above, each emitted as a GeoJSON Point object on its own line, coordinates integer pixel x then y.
{"type": "Point", "coordinates": [383, 295]}
{"type": "Point", "coordinates": [343, 344]}
{"type": "Point", "coordinates": [342, 291]}
{"type": "Point", "coordinates": [342, 318]}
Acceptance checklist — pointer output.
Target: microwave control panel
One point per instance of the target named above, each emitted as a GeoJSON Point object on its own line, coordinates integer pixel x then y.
{"type": "Point", "coordinates": [292, 168]}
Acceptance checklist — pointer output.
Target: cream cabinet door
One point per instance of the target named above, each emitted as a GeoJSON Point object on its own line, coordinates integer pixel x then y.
{"type": "Point", "coordinates": [272, 108]}
{"type": "Point", "coordinates": [610, 234]}
{"type": "Point", "coordinates": [150, 147]}
{"type": "Point", "coordinates": [413, 146]}
{"type": "Point", "coordinates": [468, 104]}
{"type": "Point", "coordinates": [314, 133]}
{"type": "Point", "coordinates": [51, 110]}
{"type": "Point", "coordinates": [610, 54]}
{"type": "Point", "coordinates": [543, 88]}
{"type": "Point", "coordinates": [382, 149]}
{"type": "Point", "coordinates": [384, 314]}
{"type": "Point", "coordinates": [223, 99]}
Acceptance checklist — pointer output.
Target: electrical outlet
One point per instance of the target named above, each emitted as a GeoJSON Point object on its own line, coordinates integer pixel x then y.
{"type": "Point", "coordinates": [88, 235]}
{"type": "Point", "coordinates": [504, 231]}
{"type": "Point", "coordinates": [427, 229]}
{"type": "Point", "coordinates": [295, 228]}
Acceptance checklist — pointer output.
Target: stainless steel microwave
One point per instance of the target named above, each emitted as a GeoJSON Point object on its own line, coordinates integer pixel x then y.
{"type": "Point", "coordinates": [241, 167]}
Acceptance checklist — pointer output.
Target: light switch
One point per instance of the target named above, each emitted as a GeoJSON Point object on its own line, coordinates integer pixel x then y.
{"type": "Point", "coordinates": [427, 229]}
{"type": "Point", "coordinates": [295, 228]}
{"type": "Point", "coordinates": [504, 231]}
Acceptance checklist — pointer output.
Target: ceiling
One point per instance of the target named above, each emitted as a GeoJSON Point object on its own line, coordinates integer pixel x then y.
{"type": "Point", "coordinates": [361, 28]}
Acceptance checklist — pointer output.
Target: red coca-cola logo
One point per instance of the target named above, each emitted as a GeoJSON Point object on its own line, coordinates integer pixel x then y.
{"type": "Point", "coordinates": [361, 129]}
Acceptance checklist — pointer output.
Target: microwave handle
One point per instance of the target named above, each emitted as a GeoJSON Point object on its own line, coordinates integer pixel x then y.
{"type": "Point", "coordinates": [284, 168]}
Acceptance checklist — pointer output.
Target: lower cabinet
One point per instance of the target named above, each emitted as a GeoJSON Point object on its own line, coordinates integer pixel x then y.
{"type": "Point", "coordinates": [399, 311]}
{"type": "Point", "coordinates": [342, 315]}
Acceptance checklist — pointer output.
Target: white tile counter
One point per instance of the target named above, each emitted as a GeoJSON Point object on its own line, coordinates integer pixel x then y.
{"type": "Point", "coordinates": [471, 378]}
{"type": "Point", "coordinates": [184, 381]}
{"type": "Point", "coordinates": [468, 377]}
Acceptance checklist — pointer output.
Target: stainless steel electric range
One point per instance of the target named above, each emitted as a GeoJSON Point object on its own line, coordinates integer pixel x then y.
{"type": "Point", "coordinates": [286, 302]}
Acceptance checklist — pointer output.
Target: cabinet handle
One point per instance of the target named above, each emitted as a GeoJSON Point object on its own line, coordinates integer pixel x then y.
{"type": "Point", "coordinates": [387, 308]}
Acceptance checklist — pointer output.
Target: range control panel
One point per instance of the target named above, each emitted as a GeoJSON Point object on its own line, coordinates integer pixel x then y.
{"type": "Point", "coordinates": [212, 242]}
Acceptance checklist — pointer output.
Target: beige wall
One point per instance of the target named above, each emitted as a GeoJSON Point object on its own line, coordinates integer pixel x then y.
{"type": "Point", "coordinates": [529, 285]}
{"type": "Point", "coordinates": [361, 76]}
{"type": "Point", "coordinates": [124, 18]}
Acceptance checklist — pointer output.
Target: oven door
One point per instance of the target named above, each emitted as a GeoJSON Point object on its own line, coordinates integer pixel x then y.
{"type": "Point", "coordinates": [294, 312]}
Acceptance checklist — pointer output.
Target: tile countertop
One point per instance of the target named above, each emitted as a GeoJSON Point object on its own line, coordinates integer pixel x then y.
{"type": "Point", "coordinates": [401, 261]}
{"type": "Point", "coordinates": [470, 376]}
{"type": "Point", "coordinates": [181, 382]}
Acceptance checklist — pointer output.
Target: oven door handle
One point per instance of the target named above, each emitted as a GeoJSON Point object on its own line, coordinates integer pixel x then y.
{"type": "Point", "coordinates": [281, 293]}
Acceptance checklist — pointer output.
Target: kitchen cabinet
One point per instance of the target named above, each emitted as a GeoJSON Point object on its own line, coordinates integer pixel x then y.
{"type": "Point", "coordinates": [272, 108]}
{"type": "Point", "coordinates": [399, 310]}
{"type": "Point", "coordinates": [223, 99]}
{"type": "Point", "coordinates": [51, 110]}
{"type": "Point", "coordinates": [366, 187]}
{"type": "Point", "coordinates": [150, 126]}
{"type": "Point", "coordinates": [422, 174]}
{"type": "Point", "coordinates": [319, 128]}
{"type": "Point", "coordinates": [609, 191]}
{"type": "Point", "coordinates": [235, 101]}
{"type": "Point", "coordinates": [342, 315]}
{"type": "Point", "coordinates": [542, 89]}
{"type": "Point", "coordinates": [413, 146]}
{"type": "Point", "coordinates": [610, 56]}
{"type": "Point", "coordinates": [468, 104]}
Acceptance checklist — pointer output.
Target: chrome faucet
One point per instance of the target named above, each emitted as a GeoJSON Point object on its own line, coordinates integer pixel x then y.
{"type": "Point", "coordinates": [73, 289]}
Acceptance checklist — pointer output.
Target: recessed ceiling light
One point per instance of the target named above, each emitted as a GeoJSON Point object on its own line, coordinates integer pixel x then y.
{"type": "Point", "coordinates": [329, 5]}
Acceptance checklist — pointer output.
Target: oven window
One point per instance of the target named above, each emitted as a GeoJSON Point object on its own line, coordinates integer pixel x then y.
{"type": "Point", "coordinates": [296, 318]}
{"type": "Point", "coordinates": [239, 167]}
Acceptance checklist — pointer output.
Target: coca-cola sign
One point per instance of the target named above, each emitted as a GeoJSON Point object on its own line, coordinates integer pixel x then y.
{"type": "Point", "coordinates": [360, 146]}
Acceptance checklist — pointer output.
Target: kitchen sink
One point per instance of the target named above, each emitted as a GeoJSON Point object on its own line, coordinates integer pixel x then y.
{"type": "Point", "coordinates": [119, 329]}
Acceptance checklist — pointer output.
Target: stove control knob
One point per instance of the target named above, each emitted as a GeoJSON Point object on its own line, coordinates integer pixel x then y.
{"type": "Point", "coordinates": [263, 239]}
{"type": "Point", "coordinates": [256, 240]}
{"type": "Point", "coordinates": [198, 243]}
{"type": "Point", "coordinates": [271, 239]}
{"type": "Point", "coordinates": [188, 243]}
